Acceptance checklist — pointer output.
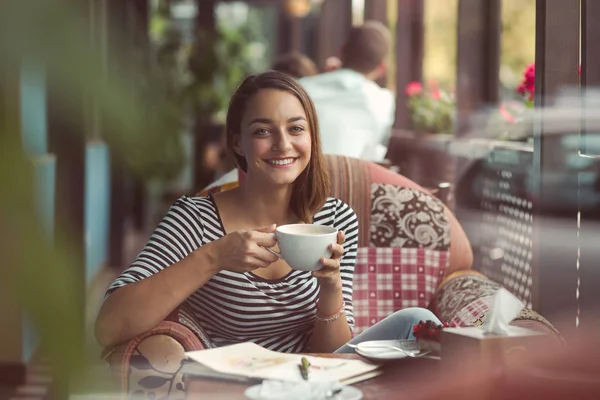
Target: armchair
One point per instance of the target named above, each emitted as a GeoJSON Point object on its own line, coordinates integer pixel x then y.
{"type": "Point", "coordinates": [412, 252]}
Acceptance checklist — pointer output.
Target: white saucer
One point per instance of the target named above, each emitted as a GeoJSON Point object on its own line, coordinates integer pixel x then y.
{"type": "Point", "coordinates": [372, 350]}
{"type": "Point", "coordinates": [347, 393]}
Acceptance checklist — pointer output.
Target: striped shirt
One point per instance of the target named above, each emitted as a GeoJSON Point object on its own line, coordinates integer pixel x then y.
{"type": "Point", "coordinates": [238, 307]}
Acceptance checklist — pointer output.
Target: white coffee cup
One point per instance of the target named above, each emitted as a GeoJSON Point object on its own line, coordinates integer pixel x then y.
{"type": "Point", "coordinates": [303, 245]}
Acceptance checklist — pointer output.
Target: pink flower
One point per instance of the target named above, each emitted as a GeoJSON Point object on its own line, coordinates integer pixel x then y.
{"type": "Point", "coordinates": [435, 90]}
{"type": "Point", "coordinates": [413, 89]}
{"type": "Point", "coordinates": [508, 117]}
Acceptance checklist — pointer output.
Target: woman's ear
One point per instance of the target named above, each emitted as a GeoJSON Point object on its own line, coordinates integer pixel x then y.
{"type": "Point", "coordinates": [236, 145]}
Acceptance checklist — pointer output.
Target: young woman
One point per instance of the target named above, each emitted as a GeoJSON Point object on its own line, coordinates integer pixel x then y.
{"type": "Point", "coordinates": [210, 252]}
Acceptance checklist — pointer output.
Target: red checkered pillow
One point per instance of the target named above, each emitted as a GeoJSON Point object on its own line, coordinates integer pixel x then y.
{"type": "Point", "coordinates": [387, 279]}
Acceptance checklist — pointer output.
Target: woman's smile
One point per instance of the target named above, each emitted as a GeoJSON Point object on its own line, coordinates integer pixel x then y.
{"type": "Point", "coordinates": [280, 162]}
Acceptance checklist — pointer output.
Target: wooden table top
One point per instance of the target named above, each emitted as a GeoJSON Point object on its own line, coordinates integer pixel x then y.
{"type": "Point", "coordinates": [388, 385]}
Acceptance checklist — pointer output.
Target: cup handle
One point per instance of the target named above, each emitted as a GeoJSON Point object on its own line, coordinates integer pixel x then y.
{"type": "Point", "coordinates": [270, 250]}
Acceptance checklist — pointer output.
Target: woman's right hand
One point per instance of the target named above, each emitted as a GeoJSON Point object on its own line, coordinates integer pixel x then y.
{"type": "Point", "coordinates": [245, 250]}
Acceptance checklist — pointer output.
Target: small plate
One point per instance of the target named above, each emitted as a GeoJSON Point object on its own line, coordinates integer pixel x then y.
{"type": "Point", "coordinates": [373, 350]}
{"type": "Point", "coordinates": [347, 393]}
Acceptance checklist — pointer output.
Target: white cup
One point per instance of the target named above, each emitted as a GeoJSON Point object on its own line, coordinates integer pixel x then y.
{"type": "Point", "coordinates": [303, 245]}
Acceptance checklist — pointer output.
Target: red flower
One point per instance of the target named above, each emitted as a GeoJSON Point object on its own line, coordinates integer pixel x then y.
{"type": "Point", "coordinates": [527, 86]}
{"type": "Point", "coordinates": [413, 89]}
{"type": "Point", "coordinates": [429, 330]}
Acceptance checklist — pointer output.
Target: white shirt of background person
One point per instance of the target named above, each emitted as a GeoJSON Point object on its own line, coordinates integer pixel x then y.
{"type": "Point", "coordinates": [355, 114]}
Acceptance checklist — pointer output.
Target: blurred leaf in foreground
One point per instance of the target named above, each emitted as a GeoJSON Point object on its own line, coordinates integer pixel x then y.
{"type": "Point", "coordinates": [46, 279]}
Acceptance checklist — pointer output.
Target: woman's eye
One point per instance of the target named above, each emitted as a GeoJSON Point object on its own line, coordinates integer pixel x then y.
{"type": "Point", "coordinates": [297, 129]}
{"type": "Point", "coordinates": [261, 132]}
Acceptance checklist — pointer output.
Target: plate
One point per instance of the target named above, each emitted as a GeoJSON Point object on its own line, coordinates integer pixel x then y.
{"type": "Point", "coordinates": [372, 350]}
{"type": "Point", "coordinates": [347, 393]}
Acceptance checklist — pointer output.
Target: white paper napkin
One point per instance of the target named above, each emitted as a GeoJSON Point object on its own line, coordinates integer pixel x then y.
{"type": "Point", "coordinates": [505, 307]}
{"type": "Point", "coordinates": [304, 390]}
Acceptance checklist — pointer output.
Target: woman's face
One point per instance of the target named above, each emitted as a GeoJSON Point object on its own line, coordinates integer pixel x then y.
{"type": "Point", "coordinates": [274, 137]}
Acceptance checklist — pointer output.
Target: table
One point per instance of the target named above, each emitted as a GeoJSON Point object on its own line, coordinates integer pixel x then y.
{"type": "Point", "coordinates": [388, 385]}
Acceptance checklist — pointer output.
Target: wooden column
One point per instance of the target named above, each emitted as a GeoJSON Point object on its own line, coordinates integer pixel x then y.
{"type": "Point", "coordinates": [13, 371]}
{"type": "Point", "coordinates": [478, 57]}
{"type": "Point", "coordinates": [118, 40]}
{"type": "Point", "coordinates": [409, 54]}
{"type": "Point", "coordinates": [66, 140]}
{"type": "Point", "coordinates": [376, 10]}
{"type": "Point", "coordinates": [205, 24]}
{"type": "Point", "coordinates": [137, 22]}
{"type": "Point", "coordinates": [589, 273]}
{"type": "Point", "coordinates": [67, 131]}
{"type": "Point", "coordinates": [334, 25]}
{"type": "Point", "coordinates": [557, 58]}
{"type": "Point", "coordinates": [289, 29]}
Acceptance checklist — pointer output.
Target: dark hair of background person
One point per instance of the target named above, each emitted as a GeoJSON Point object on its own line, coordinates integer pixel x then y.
{"type": "Point", "coordinates": [295, 64]}
{"type": "Point", "coordinates": [312, 186]}
{"type": "Point", "coordinates": [366, 47]}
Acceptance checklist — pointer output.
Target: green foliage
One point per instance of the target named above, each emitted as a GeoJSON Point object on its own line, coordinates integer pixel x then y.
{"type": "Point", "coordinates": [517, 41]}
{"type": "Point", "coordinates": [44, 279]}
{"type": "Point", "coordinates": [431, 109]}
{"type": "Point", "coordinates": [439, 61]}
{"type": "Point", "coordinates": [218, 64]}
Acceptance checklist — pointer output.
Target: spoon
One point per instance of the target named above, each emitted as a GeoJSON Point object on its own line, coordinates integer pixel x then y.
{"type": "Point", "coordinates": [413, 354]}
{"type": "Point", "coordinates": [332, 393]}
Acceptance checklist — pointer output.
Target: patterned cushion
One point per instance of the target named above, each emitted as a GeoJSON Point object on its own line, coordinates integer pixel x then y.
{"type": "Point", "coordinates": [390, 279]}
{"type": "Point", "coordinates": [156, 369]}
{"type": "Point", "coordinates": [465, 297]}
{"type": "Point", "coordinates": [407, 218]}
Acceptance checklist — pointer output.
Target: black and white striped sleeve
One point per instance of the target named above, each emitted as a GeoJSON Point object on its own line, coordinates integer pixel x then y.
{"type": "Point", "coordinates": [177, 235]}
{"type": "Point", "coordinates": [346, 221]}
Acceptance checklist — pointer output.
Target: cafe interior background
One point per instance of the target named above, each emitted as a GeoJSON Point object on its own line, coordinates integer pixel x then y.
{"type": "Point", "coordinates": [113, 109]}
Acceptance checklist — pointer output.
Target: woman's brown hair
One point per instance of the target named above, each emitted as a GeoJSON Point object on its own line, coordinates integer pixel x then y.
{"type": "Point", "coordinates": [312, 186]}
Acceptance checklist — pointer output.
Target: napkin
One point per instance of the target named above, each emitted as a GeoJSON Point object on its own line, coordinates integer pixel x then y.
{"type": "Point", "coordinates": [304, 390]}
{"type": "Point", "coordinates": [505, 307]}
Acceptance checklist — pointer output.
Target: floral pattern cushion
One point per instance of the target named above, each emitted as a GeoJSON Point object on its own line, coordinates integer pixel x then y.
{"type": "Point", "coordinates": [407, 218]}
{"type": "Point", "coordinates": [155, 370]}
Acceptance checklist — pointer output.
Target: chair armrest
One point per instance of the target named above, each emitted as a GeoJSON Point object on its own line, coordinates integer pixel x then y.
{"type": "Point", "coordinates": [464, 298]}
{"type": "Point", "coordinates": [180, 325]}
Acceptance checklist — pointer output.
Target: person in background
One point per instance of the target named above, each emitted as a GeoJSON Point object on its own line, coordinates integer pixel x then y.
{"type": "Point", "coordinates": [332, 64]}
{"type": "Point", "coordinates": [356, 114]}
{"type": "Point", "coordinates": [295, 64]}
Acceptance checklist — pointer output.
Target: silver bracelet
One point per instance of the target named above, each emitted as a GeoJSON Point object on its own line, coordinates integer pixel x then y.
{"type": "Point", "coordinates": [333, 317]}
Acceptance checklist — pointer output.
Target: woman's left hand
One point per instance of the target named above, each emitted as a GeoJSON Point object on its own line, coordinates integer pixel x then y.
{"type": "Point", "coordinates": [329, 276]}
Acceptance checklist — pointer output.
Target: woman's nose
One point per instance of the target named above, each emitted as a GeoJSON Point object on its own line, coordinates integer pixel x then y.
{"type": "Point", "coordinates": [282, 142]}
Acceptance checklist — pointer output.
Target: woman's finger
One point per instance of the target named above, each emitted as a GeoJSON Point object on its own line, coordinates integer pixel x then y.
{"type": "Point", "coordinates": [341, 238]}
{"type": "Point", "coordinates": [265, 255]}
{"type": "Point", "coordinates": [337, 251]}
{"type": "Point", "coordinates": [326, 274]}
{"type": "Point", "coordinates": [330, 264]}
